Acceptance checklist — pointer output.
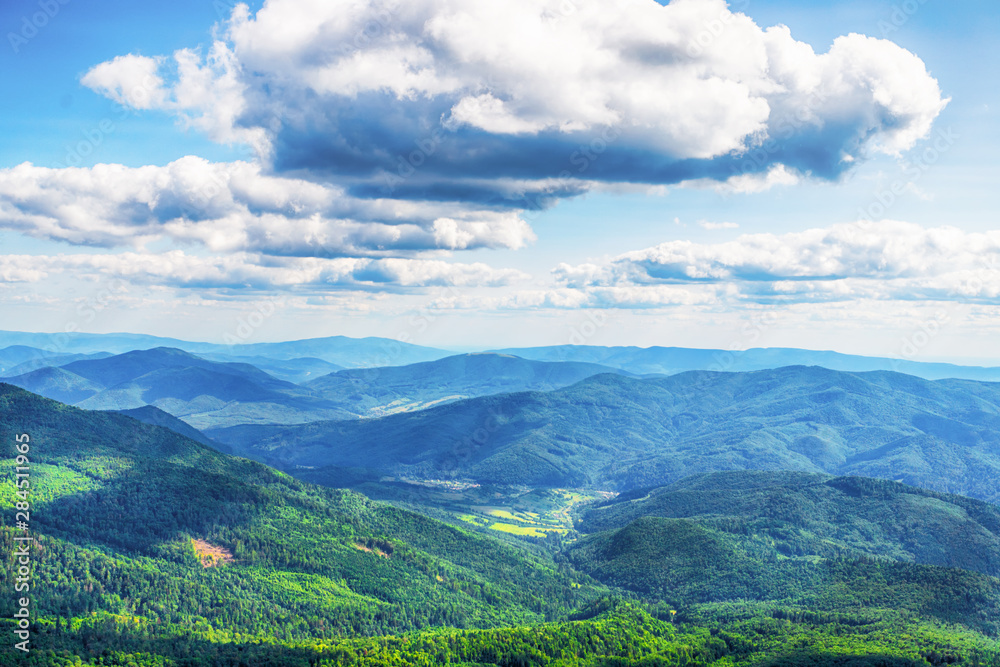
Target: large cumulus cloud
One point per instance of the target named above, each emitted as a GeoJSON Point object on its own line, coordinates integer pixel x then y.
{"type": "Point", "coordinates": [450, 99]}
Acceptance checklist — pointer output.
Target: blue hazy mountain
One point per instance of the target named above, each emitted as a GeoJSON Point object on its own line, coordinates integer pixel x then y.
{"type": "Point", "coordinates": [618, 432]}
{"type": "Point", "coordinates": [672, 360]}
{"type": "Point", "coordinates": [213, 394]}
{"type": "Point", "coordinates": [58, 384]}
{"type": "Point", "coordinates": [379, 391]}
{"type": "Point", "coordinates": [339, 350]}
{"type": "Point", "coordinates": [374, 352]}
{"type": "Point", "coordinates": [201, 392]}
{"type": "Point", "coordinates": [21, 359]}
{"type": "Point", "coordinates": [298, 370]}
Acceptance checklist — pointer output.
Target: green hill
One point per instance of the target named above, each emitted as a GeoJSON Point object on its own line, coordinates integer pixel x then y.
{"type": "Point", "coordinates": [819, 542]}
{"type": "Point", "coordinates": [122, 510]}
{"type": "Point", "coordinates": [157, 550]}
{"type": "Point", "coordinates": [617, 432]}
{"type": "Point", "coordinates": [802, 515]}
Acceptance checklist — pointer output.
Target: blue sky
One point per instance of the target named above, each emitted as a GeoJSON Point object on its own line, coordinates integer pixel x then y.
{"type": "Point", "coordinates": [651, 239]}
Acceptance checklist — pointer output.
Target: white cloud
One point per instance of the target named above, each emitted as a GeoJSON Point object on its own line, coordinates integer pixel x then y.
{"type": "Point", "coordinates": [248, 271]}
{"type": "Point", "coordinates": [132, 81]}
{"type": "Point", "coordinates": [884, 261]}
{"type": "Point", "coordinates": [346, 88]}
{"type": "Point", "coordinates": [713, 226]}
{"type": "Point", "coordinates": [233, 207]}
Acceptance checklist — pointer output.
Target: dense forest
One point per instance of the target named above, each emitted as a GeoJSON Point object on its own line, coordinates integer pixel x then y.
{"type": "Point", "coordinates": [154, 549]}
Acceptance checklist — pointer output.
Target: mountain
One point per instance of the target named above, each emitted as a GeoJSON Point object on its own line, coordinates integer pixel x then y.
{"type": "Point", "coordinates": [212, 394]}
{"type": "Point", "coordinates": [57, 384]}
{"type": "Point", "coordinates": [138, 520]}
{"type": "Point", "coordinates": [298, 371]}
{"type": "Point", "coordinates": [201, 392]}
{"type": "Point", "coordinates": [803, 515]}
{"type": "Point", "coordinates": [378, 391]}
{"type": "Point", "coordinates": [617, 432]}
{"type": "Point", "coordinates": [672, 360]}
{"type": "Point", "coordinates": [154, 550]}
{"type": "Point", "coordinates": [19, 359]}
{"type": "Point", "coordinates": [831, 541]}
{"type": "Point", "coordinates": [339, 350]}
{"type": "Point", "coordinates": [149, 414]}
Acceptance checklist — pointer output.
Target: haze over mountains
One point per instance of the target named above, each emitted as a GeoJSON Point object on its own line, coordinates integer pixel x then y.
{"type": "Point", "coordinates": [377, 391]}
{"type": "Point", "coordinates": [618, 432]}
{"type": "Point", "coordinates": [295, 361]}
{"type": "Point", "coordinates": [338, 350]}
{"type": "Point", "coordinates": [747, 497]}
{"type": "Point", "coordinates": [203, 393]}
{"type": "Point", "coordinates": [214, 394]}
{"type": "Point", "coordinates": [672, 360]}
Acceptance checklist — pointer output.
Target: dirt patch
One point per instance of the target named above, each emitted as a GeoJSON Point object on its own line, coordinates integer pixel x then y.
{"type": "Point", "coordinates": [369, 550]}
{"type": "Point", "coordinates": [211, 555]}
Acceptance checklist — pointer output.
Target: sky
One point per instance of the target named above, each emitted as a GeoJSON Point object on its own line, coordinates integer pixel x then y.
{"type": "Point", "coordinates": [468, 175]}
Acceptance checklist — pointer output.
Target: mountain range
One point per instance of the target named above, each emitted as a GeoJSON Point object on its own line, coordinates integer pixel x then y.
{"type": "Point", "coordinates": [145, 507]}
{"type": "Point", "coordinates": [156, 549]}
{"type": "Point", "coordinates": [201, 392]}
{"type": "Point", "coordinates": [348, 352]}
{"type": "Point", "coordinates": [338, 350]}
{"type": "Point", "coordinates": [673, 360]}
{"type": "Point", "coordinates": [615, 432]}
{"type": "Point", "coordinates": [378, 391]}
{"type": "Point", "coordinates": [214, 394]}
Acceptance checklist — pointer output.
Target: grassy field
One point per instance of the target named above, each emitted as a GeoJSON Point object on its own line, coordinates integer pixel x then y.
{"type": "Point", "coordinates": [535, 513]}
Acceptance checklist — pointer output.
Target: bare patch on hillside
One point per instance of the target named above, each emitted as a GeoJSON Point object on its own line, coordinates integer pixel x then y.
{"type": "Point", "coordinates": [211, 555]}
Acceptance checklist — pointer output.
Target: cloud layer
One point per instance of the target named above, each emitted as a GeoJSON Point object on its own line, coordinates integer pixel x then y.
{"type": "Point", "coordinates": [390, 134]}
{"type": "Point", "coordinates": [887, 260]}
{"type": "Point", "coordinates": [234, 207]}
{"type": "Point", "coordinates": [452, 99]}
{"type": "Point", "coordinates": [243, 271]}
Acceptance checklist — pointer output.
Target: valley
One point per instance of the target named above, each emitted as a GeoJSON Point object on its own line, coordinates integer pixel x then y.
{"type": "Point", "coordinates": [565, 516]}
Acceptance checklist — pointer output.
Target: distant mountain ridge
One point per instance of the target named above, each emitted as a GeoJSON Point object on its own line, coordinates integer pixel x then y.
{"type": "Point", "coordinates": [379, 352]}
{"type": "Point", "coordinates": [378, 391]}
{"type": "Point", "coordinates": [673, 360]}
{"type": "Point", "coordinates": [215, 394]}
{"type": "Point", "coordinates": [339, 350]}
{"type": "Point", "coordinates": [203, 393]}
{"type": "Point", "coordinates": [610, 431]}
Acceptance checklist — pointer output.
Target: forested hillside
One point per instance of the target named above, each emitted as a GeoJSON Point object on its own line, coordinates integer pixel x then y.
{"type": "Point", "coordinates": [157, 550]}
{"type": "Point", "coordinates": [617, 432]}
{"type": "Point", "coordinates": [125, 508]}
